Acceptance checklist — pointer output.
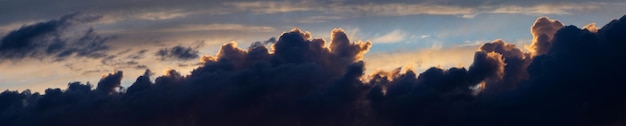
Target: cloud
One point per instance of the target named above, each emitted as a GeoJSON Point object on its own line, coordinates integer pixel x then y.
{"type": "Point", "coordinates": [464, 11]}
{"type": "Point", "coordinates": [138, 55]}
{"type": "Point", "coordinates": [391, 37]}
{"type": "Point", "coordinates": [118, 12]}
{"type": "Point", "coordinates": [514, 72]}
{"type": "Point", "coordinates": [12, 26]}
{"type": "Point", "coordinates": [149, 15]}
{"type": "Point", "coordinates": [163, 15]}
{"type": "Point", "coordinates": [318, 19]}
{"type": "Point", "coordinates": [271, 40]}
{"type": "Point", "coordinates": [424, 36]}
{"type": "Point", "coordinates": [543, 9]}
{"type": "Point", "coordinates": [48, 39]}
{"type": "Point", "coordinates": [118, 61]}
{"type": "Point", "coordinates": [398, 9]}
{"type": "Point", "coordinates": [109, 82]}
{"type": "Point", "coordinates": [543, 30]}
{"type": "Point", "coordinates": [302, 80]}
{"type": "Point", "coordinates": [269, 7]}
{"type": "Point", "coordinates": [142, 83]}
{"type": "Point", "coordinates": [578, 64]}
{"type": "Point", "coordinates": [177, 53]}
{"type": "Point", "coordinates": [220, 27]}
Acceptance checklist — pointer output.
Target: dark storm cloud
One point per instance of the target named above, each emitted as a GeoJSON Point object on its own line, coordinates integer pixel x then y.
{"type": "Point", "coordinates": [577, 81]}
{"type": "Point", "coordinates": [47, 39]}
{"type": "Point", "coordinates": [579, 73]}
{"type": "Point", "coordinates": [109, 83]}
{"type": "Point", "coordinates": [432, 97]}
{"type": "Point", "coordinates": [177, 52]}
{"type": "Point", "coordinates": [515, 69]}
{"type": "Point", "coordinates": [142, 83]}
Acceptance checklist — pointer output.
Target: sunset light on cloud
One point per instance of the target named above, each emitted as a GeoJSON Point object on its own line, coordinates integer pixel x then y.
{"type": "Point", "coordinates": [312, 62]}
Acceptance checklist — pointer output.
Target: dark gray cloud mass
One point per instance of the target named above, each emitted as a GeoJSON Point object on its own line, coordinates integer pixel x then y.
{"type": "Point", "coordinates": [578, 80]}
{"type": "Point", "coordinates": [177, 53]}
{"type": "Point", "coordinates": [108, 83]}
{"type": "Point", "coordinates": [515, 69]}
{"type": "Point", "coordinates": [48, 39]}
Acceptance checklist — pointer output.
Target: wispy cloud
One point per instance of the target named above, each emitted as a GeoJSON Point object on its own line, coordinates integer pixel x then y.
{"type": "Point", "coordinates": [220, 27]}
{"type": "Point", "coordinates": [399, 9]}
{"type": "Point", "coordinates": [162, 15]}
{"type": "Point", "coordinates": [319, 19]}
{"type": "Point", "coordinates": [542, 9]}
{"type": "Point", "coordinates": [391, 37]}
{"type": "Point", "coordinates": [114, 17]}
{"type": "Point", "coordinates": [269, 7]}
{"type": "Point", "coordinates": [404, 9]}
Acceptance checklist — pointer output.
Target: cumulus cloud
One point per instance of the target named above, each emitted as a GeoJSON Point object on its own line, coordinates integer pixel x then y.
{"type": "Point", "coordinates": [543, 30]}
{"type": "Point", "coordinates": [302, 80]}
{"type": "Point", "coordinates": [109, 82]}
{"type": "Point", "coordinates": [515, 69]}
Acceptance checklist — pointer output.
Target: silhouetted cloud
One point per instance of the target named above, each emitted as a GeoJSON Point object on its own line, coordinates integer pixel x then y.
{"type": "Point", "coordinates": [177, 53]}
{"type": "Point", "coordinates": [576, 80]}
{"type": "Point", "coordinates": [108, 83]}
{"type": "Point", "coordinates": [515, 69]}
{"type": "Point", "coordinates": [142, 83]}
{"type": "Point", "coordinates": [543, 31]}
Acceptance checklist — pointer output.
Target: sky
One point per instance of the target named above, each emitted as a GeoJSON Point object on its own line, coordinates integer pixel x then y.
{"type": "Point", "coordinates": [312, 62]}
{"type": "Point", "coordinates": [406, 32]}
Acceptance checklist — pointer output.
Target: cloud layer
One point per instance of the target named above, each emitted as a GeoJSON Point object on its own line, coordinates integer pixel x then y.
{"type": "Point", "coordinates": [572, 77]}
